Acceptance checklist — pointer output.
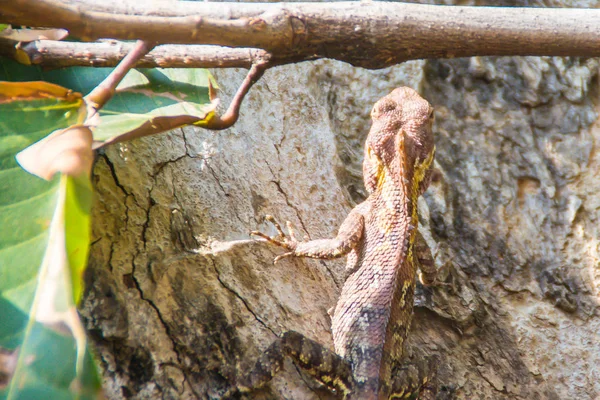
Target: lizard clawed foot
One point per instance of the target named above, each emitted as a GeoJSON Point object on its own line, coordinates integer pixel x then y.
{"type": "Point", "coordinates": [432, 283]}
{"type": "Point", "coordinates": [439, 278]}
{"type": "Point", "coordinates": [288, 242]}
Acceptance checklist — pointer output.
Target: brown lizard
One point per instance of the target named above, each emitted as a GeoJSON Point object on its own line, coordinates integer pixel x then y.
{"type": "Point", "coordinates": [373, 314]}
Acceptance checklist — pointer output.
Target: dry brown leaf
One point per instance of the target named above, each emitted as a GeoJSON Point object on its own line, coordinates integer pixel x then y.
{"type": "Point", "coordinates": [29, 35]}
{"type": "Point", "coordinates": [67, 150]}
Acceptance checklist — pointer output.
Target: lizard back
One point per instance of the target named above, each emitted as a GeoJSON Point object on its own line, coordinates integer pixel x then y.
{"type": "Point", "coordinates": [373, 314]}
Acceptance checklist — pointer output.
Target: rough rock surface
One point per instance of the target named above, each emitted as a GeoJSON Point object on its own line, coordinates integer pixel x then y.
{"type": "Point", "coordinates": [178, 298]}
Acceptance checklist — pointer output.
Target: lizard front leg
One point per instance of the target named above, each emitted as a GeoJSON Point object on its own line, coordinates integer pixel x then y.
{"type": "Point", "coordinates": [323, 364]}
{"type": "Point", "coordinates": [348, 237]}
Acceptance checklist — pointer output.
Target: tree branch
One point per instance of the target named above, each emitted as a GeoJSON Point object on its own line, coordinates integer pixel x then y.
{"type": "Point", "coordinates": [55, 54]}
{"type": "Point", "coordinates": [370, 35]}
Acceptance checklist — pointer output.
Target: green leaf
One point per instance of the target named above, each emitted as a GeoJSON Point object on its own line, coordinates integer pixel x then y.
{"type": "Point", "coordinates": [147, 101]}
{"type": "Point", "coordinates": [44, 241]}
{"type": "Point", "coordinates": [44, 226]}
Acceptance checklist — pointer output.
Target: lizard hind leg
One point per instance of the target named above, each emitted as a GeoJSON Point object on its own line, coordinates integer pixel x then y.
{"type": "Point", "coordinates": [322, 364]}
{"type": "Point", "coordinates": [416, 380]}
{"type": "Point", "coordinates": [425, 261]}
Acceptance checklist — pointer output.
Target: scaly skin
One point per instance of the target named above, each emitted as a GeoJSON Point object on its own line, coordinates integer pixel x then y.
{"type": "Point", "coordinates": [380, 237]}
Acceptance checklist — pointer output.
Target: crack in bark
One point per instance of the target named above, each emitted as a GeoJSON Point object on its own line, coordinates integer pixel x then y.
{"type": "Point", "coordinates": [160, 166]}
{"type": "Point", "coordinates": [110, 255]}
{"type": "Point", "coordinates": [282, 138]}
{"type": "Point", "coordinates": [237, 295]}
{"type": "Point", "coordinates": [111, 168]}
{"type": "Point", "coordinates": [227, 195]}
{"type": "Point", "coordinates": [113, 173]}
{"type": "Point", "coordinates": [151, 303]}
{"type": "Point", "coordinates": [166, 328]}
{"type": "Point", "coordinates": [146, 222]}
{"type": "Point", "coordinates": [337, 284]}
{"type": "Point", "coordinates": [214, 175]}
{"type": "Point", "coordinates": [185, 144]}
{"type": "Point", "coordinates": [287, 200]}
{"type": "Point", "coordinates": [205, 161]}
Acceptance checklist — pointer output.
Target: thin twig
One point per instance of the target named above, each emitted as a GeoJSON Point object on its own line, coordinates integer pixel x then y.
{"type": "Point", "coordinates": [233, 112]}
{"type": "Point", "coordinates": [102, 93]}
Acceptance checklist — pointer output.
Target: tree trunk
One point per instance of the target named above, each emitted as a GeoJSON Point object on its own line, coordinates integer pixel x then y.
{"type": "Point", "coordinates": [179, 299]}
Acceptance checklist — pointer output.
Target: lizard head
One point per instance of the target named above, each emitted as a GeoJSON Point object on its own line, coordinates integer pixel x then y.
{"type": "Point", "coordinates": [400, 142]}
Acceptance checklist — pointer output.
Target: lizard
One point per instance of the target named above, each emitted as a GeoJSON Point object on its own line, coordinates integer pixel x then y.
{"type": "Point", "coordinates": [384, 250]}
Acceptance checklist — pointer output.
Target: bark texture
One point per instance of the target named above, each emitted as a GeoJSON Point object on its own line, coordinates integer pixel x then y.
{"type": "Point", "coordinates": [178, 298]}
